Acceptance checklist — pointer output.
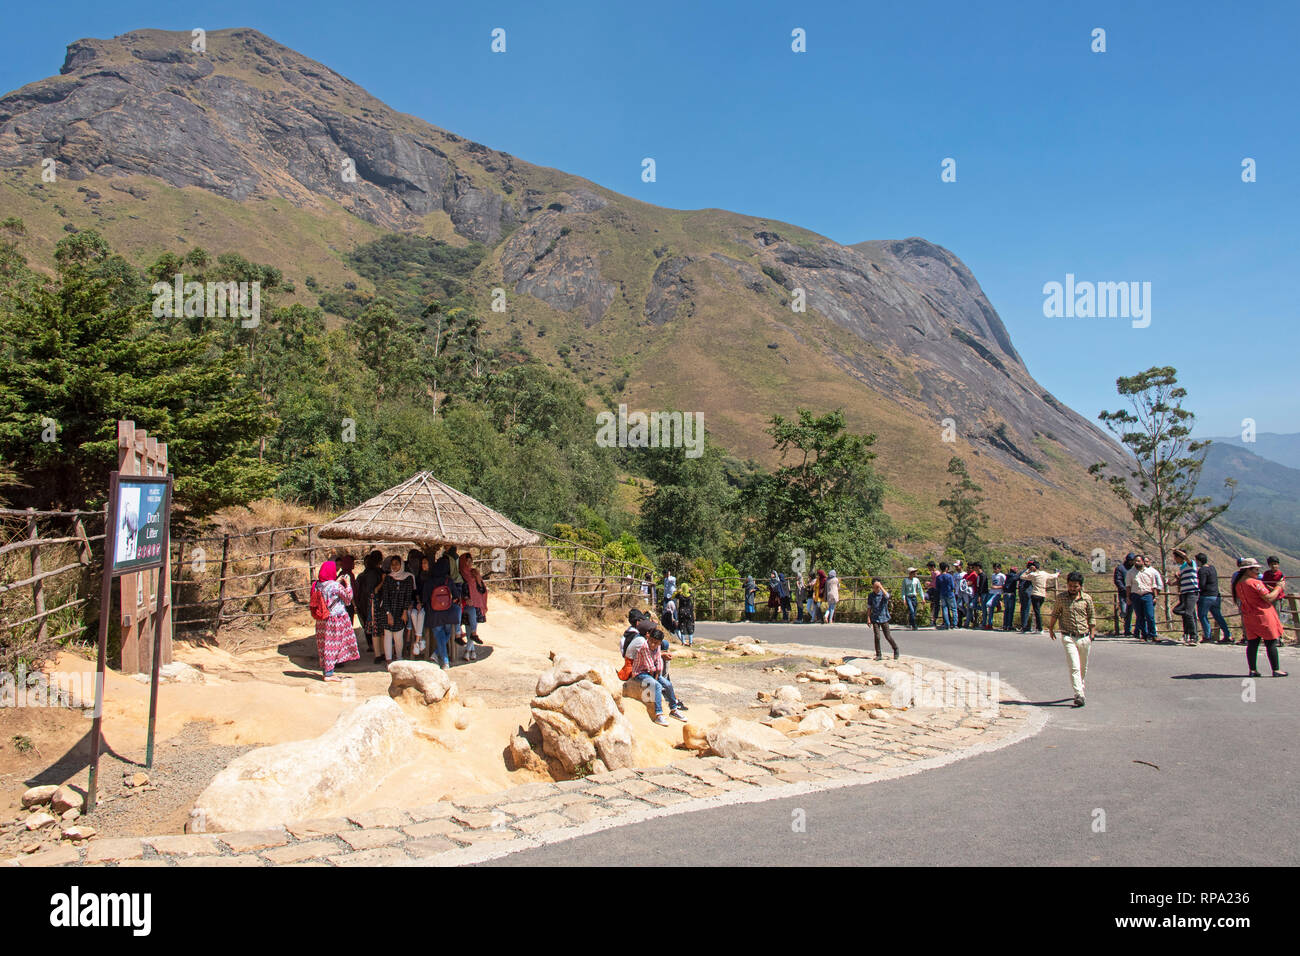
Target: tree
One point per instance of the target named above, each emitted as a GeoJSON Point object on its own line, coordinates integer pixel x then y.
{"type": "Point", "coordinates": [1159, 489]}
{"type": "Point", "coordinates": [687, 511]}
{"type": "Point", "coordinates": [81, 351]}
{"type": "Point", "coordinates": [963, 508]}
{"type": "Point", "coordinates": [823, 504]}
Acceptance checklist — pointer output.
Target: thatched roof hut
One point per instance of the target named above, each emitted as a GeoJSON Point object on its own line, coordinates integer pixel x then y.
{"type": "Point", "coordinates": [425, 511]}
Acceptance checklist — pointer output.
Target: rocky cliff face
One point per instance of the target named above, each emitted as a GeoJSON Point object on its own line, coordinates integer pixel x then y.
{"type": "Point", "coordinates": [249, 118]}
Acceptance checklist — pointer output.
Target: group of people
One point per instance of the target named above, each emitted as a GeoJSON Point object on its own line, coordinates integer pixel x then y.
{"type": "Point", "coordinates": [1255, 591]}
{"type": "Point", "coordinates": [805, 594]}
{"type": "Point", "coordinates": [971, 598]}
{"type": "Point", "coordinates": [400, 605]}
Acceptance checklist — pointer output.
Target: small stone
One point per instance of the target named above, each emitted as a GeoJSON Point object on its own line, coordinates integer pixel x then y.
{"type": "Point", "coordinates": [39, 796]}
{"type": "Point", "coordinates": [65, 799]}
{"type": "Point", "coordinates": [694, 737]}
{"type": "Point", "coordinates": [39, 821]}
{"type": "Point", "coordinates": [138, 779]}
{"type": "Point", "coordinates": [848, 671]}
{"type": "Point", "coordinates": [70, 815]}
{"type": "Point", "coordinates": [879, 714]}
{"type": "Point", "coordinates": [77, 834]}
{"type": "Point", "coordinates": [816, 722]}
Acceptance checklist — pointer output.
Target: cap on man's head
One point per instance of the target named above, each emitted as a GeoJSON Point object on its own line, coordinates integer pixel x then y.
{"type": "Point", "coordinates": [1130, 556]}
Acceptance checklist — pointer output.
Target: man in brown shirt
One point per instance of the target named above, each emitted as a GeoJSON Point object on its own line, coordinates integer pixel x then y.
{"type": "Point", "coordinates": [1074, 611]}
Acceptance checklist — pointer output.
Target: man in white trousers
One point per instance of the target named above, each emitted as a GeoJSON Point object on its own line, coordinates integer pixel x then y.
{"type": "Point", "coordinates": [1073, 609]}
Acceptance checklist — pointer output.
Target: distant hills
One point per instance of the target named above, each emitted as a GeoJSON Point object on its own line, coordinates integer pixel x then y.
{"type": "Point", "coordinates": [1267, 503]}
{"type": "Point", "coordinates": [1276, 447]}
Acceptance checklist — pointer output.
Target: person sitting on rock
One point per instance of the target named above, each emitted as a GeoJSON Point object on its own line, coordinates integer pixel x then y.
{"type": "Point", "coordinates": [646, 653]}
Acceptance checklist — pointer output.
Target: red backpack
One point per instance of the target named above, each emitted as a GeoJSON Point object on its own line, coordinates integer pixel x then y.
{"type": "Point", "coordinates": [440, 598]}
{"type": "Point", "coordinates": [319, 607]}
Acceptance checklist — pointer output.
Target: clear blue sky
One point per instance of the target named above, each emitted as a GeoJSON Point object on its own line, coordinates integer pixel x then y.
{"type": "Point", "coordinates": [1122, 166]}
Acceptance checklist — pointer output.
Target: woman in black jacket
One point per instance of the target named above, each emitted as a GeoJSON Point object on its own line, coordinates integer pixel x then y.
{"type": "Point", "coordinates": [440, 596]}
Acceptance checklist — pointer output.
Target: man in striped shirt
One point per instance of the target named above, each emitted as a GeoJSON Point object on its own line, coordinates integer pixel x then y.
{"type": "Point", "coordinates": [646, 653]}
{"type": "Point", "coordinates": [1189, 595]}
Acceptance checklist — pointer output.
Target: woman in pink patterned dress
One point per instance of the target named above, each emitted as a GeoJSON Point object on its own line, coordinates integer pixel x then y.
{"type": "Point", "coordinates": [336, 641]}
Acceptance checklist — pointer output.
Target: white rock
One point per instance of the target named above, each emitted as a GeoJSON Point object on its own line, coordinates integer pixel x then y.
{"type": "Point", "coordinates": [306, 779]}
{"type": "Point", "coordinates": [879, 714]}
{"type": "Point", "coordinates": [589, 705]}
{"type": "Point", "coordinates": [732, 737]}
{"type": "Point", "coordinates": [815, 722]}
{"type": "Point", "coordinates": [569, 670]}
{"type": "Point", "coordinates": [786, 708]}
{"type": "Point", "coordinates": [836, 691]}
{"type": "Point", "coordinates": [38, 821]}
{"type": "Point", "coordinates": [848, 671]}
{"type": "Point", "coordinates": [428, 678]}
{"type": "Point", "coordinates": [39, 796]}
{"type": "Point", "coordinates": [65, 799]}
{"type": "Point", "coordinates": [788, 692]}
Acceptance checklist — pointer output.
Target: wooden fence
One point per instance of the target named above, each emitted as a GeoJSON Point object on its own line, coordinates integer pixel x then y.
{"type": "Point", "coordinates": [50, 565]}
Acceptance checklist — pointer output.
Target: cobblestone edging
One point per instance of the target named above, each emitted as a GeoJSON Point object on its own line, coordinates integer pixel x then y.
{"type": "Point", "coordinates": [491, 825]}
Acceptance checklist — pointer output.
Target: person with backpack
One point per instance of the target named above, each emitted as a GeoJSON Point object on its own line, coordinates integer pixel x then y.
{"type": "Point", "coordinates": [336, 641]}
{"type": "Point", "coordinates": [686, 615]}
{"type": "Point", "coordinates": [668, 618]}
{"type": "Point", "coordinates": [441, 598]}
{"type": "Point", "coordinates": [878, 606]}
{"type": "Point", "coordinates": [473, 604]}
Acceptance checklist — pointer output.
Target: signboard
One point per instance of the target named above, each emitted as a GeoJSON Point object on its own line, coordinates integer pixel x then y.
{"type": "Point", "coordinates": [139, 524]}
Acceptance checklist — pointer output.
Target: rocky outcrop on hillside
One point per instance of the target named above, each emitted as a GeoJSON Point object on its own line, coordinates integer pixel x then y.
{"type": "Point", "coordinates": [249, 118]}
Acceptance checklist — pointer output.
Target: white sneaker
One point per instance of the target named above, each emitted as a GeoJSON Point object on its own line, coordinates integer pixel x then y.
{"type": "Point", "coordinates": [661, 720]}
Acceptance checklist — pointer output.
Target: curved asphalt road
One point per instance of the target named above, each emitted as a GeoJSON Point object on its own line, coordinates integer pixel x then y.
{"type": "Point", "coordinates": [1225, 791]}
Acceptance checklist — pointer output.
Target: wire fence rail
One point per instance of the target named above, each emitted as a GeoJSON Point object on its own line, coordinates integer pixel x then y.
{"type": "Point", "coordinates": [51, 564]}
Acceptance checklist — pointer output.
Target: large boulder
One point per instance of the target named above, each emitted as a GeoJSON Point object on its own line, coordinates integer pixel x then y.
{"type": "Point", "coordinates": [426, 677]}
{"type": "Point", "coordinates": [307, 779]}
{"type": "Point", "coordinates": [732, 737]}
{"type": "Point", "coordinates": [39, 796]}
{"type": "Point", "coordinates": [564, 740]}
{"type": "Point", "coordinates": [588, 705]}
{"type": "Point", "coordinates": [786, 708]}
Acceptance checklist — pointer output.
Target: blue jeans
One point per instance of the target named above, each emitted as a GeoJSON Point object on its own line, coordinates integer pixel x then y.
{"type": "Point", "coordinates": [991, 607]}
{"type": "Point", "coordinates": [910, 601]}
{"type": "Point", "coordinates": [1125, 611]}
{"type": "Point", "coordinates": [1009, 614]}
{"type": "Point", "coordinates": [442, 634]}
{"type": "Point", "coordinates": [661, 685]}
{"type": "Point", "coordinates": [471, 615]}
{"type": "Point", "coordinates": [949, 607]}
{"type": "Point", "coordinates": [1146, 615]}
{"type": "Point", "coordinates": [1207, 605]}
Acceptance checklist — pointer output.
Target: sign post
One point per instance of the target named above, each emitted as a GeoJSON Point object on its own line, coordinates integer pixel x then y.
{"type": "Point", "coordinates": [137, 527]}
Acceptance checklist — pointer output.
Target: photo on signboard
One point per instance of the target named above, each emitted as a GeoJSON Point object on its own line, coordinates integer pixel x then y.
{"type": "Point", "coordinates": [128, 523]}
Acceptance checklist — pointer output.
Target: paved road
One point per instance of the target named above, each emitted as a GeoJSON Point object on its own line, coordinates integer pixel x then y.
{"type": "Point", "coordinates": [1225, 791]}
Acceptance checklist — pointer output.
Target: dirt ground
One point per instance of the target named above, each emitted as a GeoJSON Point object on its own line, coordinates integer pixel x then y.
{"type": "Point", "coordinates": [272, 693]}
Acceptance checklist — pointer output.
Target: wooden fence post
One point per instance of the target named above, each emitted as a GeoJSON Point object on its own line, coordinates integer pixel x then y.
{"type": "Point", "coordinates": [603, 585]}
{"type": "Point", "coordinates": [83, 541]}
{"type": "Point", "coordinates": [221, 584]}
{"type": "Point", "coordinates": [38, 591]}
{"type": "Point", "coordinates": [311, 561]}
{"type": "Point", "coordinates": [270, 580]}
{"type": "Point", "coordinates": [550, 580]}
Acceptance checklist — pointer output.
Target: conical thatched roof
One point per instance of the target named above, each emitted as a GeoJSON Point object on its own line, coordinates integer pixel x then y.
{"type": "Point", "coordinates": [426, 511]}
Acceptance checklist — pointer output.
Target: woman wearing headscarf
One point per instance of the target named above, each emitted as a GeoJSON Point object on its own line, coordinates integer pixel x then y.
{"type": "Point", "coordinates": [751, 591]}
{"type": "Point", "coordinates": [366, 588]}
{"type": "Point", "coordinates": [415, 624]}
{"type": "Point", "coordinates": [418, 609]}
{"type": "Point", "coordinates": [336, 641]}
{"type": "Point", "coordinates": [773, 594]}
{"type": "Point", "coordinates": [395, 600]}
{"type": "Point", "coordinates": [474, 603]}
{"type": "Point", "coordinates": [686, 614]}
{"type": "Point", "coordinates": [832, 596]}
{"type": "Point", "coordinates": [441, 595]}
{"type": "Point", "coordinates": [1258, 620]}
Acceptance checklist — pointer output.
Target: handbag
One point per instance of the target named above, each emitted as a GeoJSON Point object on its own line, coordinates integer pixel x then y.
{"type": "Point", "coordinates": [625, 672]}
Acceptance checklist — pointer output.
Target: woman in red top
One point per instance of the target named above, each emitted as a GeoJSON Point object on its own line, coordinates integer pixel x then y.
{"type": "Point", "coordinates": [1258, 619]}
{"type": "Point", "coordinates": [474, 603]}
